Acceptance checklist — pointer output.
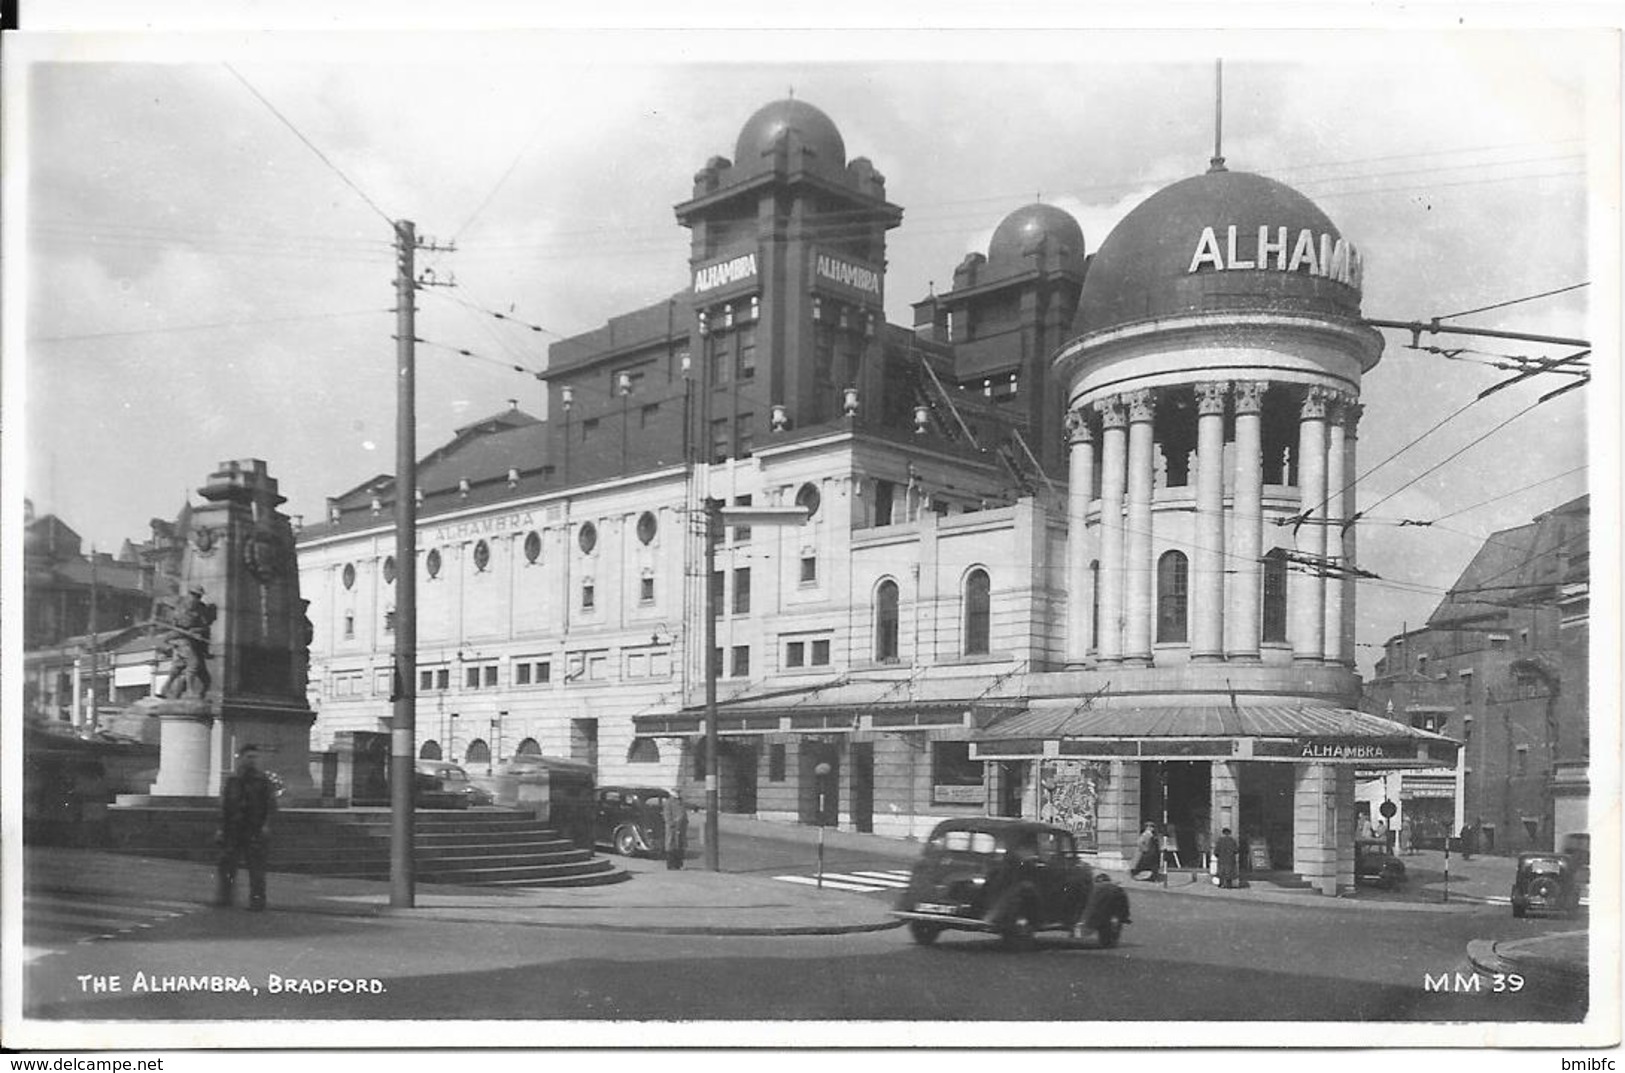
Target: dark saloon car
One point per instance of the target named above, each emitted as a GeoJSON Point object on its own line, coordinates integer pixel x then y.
{"type": "Point", "coordinates": [631, 820]}
{"type": "Point", "coordinates": [1545, 883]}
{"type": "Point", "coordinates": [1374, 863]}
{"type": "Point", "coordinates": [1011, 878]}
{"type": "Point", "coordinates": [442, 784]}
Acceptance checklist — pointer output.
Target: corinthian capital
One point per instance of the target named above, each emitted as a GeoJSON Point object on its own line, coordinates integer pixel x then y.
{"type": "Point", "coordinates": [1210, 397]}
{"type": "Point", "coordinates": [1352, 412]}
{"type": "Point", "coordinates": [1077, 427]}
{"type": "Point", "coordinates": [1113, 413]}
{"type": "Point", "coordinates": [1316, 401]}
{"type": "Point", "coordinates": [1250, 396]}
{"type": "Point", "coordinates": [1142, 405]}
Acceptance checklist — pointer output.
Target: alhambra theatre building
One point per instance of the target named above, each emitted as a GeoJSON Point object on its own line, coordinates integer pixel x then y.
{"type": "Point", "coordinates": [1075, 542]}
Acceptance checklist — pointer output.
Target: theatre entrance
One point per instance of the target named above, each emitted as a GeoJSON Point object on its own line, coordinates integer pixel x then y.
{"type": "Point", "coordinates": [1176, 796]}
{"type": "Point", "coordinates": [1266, 792]}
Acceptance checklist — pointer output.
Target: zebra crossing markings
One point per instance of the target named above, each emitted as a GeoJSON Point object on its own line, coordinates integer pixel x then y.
{"type": "Point", "coordinates": [55, 919]}
{"type": "Point", "coordinates": [861, 882]}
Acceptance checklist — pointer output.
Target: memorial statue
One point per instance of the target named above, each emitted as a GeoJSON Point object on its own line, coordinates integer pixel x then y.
{"type": "Point", "coordinates": [188, 644]}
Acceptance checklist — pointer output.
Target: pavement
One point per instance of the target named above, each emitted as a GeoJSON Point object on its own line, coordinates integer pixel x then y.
{"type": "Point", "coordinates": [692, 901]}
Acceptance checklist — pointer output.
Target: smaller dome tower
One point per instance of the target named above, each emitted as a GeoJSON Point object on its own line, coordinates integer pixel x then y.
{"type": "Point", "coordinates": [1029, 228]}
{"type": "Point", "coordinates": [770, 124]}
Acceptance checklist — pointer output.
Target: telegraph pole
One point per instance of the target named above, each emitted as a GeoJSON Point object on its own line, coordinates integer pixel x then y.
{"type": "Point", "coordinates": [403, 722]}
{"type": "Point", "coordinates": [713, 529]}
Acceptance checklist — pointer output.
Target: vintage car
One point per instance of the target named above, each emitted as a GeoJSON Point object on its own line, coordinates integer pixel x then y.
{"type": "Point", "coordinates": [1375, 863]}
{"type": "Point", "coordinates": [442, 784]}
{"type": "Point", "coordinates": [630, 820]}
{"type": "Point", "coordinates": [1011, 878]}
{"type": "Point", "coordinates": [1545, 883]}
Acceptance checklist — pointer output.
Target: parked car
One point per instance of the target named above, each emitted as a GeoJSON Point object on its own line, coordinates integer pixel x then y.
{"type": "Point", "coordinates": [442, 784]}
{"type": "Point", "coordinates": [1011, 878]}
{"type": "Point", "coordinates": [630, 819]}
{"type": "Point", "coordinates": [1375, 863]}
{"type": "Point", "coordinates": [1545, 883]}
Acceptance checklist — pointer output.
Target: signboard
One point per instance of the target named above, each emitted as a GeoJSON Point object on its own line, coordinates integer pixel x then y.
{"type": "Point", "coordinates": [490, 525]}
{"type": "Point", "coordinates": [1069, 796]}
{"type": "Point", "coordinates": [1273, 248]}
{"type": "Point", "coordinates": [1258, 856]}
{"type": "Point", "coordinates": [958, 795]}
{"type": "Point", "coordinates": [847, 277]}
{"type": "Point", "coordinates": [726, 275]}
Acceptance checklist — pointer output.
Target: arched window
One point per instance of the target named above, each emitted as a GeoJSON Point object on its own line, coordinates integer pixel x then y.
{"type": "Point", "coordinates": [430, 750]}
{"type": "Point", "coordinates": [478, 752]}
{"type": "Point", "coordinates": [528, 747]}
{"type": "Point", "coordinates": [643, 751]}
{"type": "Point", "coordinates": [886, 622]}
{"type": "Point", "coordinates": [1274, 617]}
{"type": "Point", "coordinates": [1173, 581]}
{"type": "Point", "coordinates": [976, 612]}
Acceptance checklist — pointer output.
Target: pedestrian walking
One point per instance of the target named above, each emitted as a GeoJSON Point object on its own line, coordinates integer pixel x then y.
{"type": "Point", "coordinates": [1149, 859]}
{"type": "Point", "coordinates": [247, 803]}
{"type": "Point", "coordinates": [675, 815]}
{"type": "Point", "coordinates": [1227, 851]}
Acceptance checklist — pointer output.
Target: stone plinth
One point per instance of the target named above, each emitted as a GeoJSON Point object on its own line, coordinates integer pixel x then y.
{"type": "Point", "coordinates": [185, 747]}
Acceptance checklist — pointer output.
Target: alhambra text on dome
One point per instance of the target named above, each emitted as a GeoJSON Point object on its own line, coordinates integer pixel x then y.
{"type": "Point", "coordinates": [1335, 259]}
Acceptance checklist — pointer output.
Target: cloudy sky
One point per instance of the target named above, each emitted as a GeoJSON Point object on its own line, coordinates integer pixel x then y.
{"type": "Point", "coordinates": [197, 285]}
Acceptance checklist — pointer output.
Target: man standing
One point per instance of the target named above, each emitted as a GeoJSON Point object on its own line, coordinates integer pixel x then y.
{"type": "Point", "coordinates": [676, 822]}
{"type": "Point", "coordinates": [1227, 851]}
{"type": "Point", "coordinates": [247, 802]}
{"type": "Point", "coordinates": [1149, 847]}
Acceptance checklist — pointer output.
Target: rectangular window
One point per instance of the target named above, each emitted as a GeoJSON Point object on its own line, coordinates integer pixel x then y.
{"type": "Point", "coordinates": [1523, 760]}
{"type": "Point", "coordinates": [747, 352]}
{"type": "Point", "coordinates": [884, 492]}
{"type": "Point", "coordinates": [742, 590]}
{"type": "Point", "coordinates": [588, 596]}
{"type": "Point", "coordinates": [809, 569]}
{"type": "Point", "coordinates": [795, 654]}
{"type": "Point", "coordinates": [746, 432]}
{"type": "Point", "coordinates": [775, 763]}
{"type": "Point", "coordinates": [741, 661]}
{"type": "Point", "coordinates": [425, 679]}
{"type": "Point", "coordinates": [521, 674]}
{"type": "Point", "coordinates": [544, 671]}
{"type": "Point", "coordinates": [490, 676]}
{"type": "Point", "coordinates": [741, 532]}
{"type": "Point", "coordinates": [660, 664]}
{"type": "Point", "coordinates": [955, 777]}
{"type": "Point", "coordinates": [637, 665]}
{"type": "Point", "coordinates": [442, 678]}
{"type": "Point", "coordinates": [719, 440]}
{"type": "Point", "coordinates": [646, 590]}
{"type": "Point", "coordinates": [820, 653]}
{"type": "Point", "coordinates": [576, 666]}
{"type": "Point", "coordinates": [381, 683]}
{"type": "Point", "coordinates": [597, 666]}
{"type": "Point", "coordinates": [717, 355]}
{"type": "Point", "coordinates": [349, 626]}
{"type": "Point", "coordinates": [471, 677]}
{"type": "Point", "coordinates": [648, 414]}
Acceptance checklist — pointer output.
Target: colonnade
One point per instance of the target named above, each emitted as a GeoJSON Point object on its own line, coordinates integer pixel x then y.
{"type": "Point", "coordinates": [1112, 567]}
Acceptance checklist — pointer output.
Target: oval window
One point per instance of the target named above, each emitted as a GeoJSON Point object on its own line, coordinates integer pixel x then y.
{"type": "Point", "coordinates": [482, 555]}
{"type": "Point", "coordinates": [348, 575]}
{"type": "Point", "coordinates": [389, 570]}
{"type": "Point", "coordinates": [647, 527]}
{"type": "Point", "coordinates": [808, 499]}
{"type": "Point", "coordinates": [588, 537]}
{"type": "Point", "coordinates": [431, 562]}
{"type": "Point", "coordinates": [533, 546]}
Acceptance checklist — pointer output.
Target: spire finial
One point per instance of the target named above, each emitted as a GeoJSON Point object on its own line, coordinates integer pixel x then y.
{"type": "Point", "coordinates": [792, 93]}
{"type": "Point", "coordinates": [1217, 163]}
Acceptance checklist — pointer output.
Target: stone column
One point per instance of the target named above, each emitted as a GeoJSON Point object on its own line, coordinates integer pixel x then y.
{"type": "Point", "coordinates": [1080, 487]}
{"type": "Point", "coordinates": [1306, 589]}
{"type": "Point", "coordinates": [1322, 826]}
{"type": "Point", "coordinates": [1118, 816]}
{"type": "Point", "coordinates": [1247, 521]}
{"type": "Point", "coordinates": [1207, 573]}
{"type": "Point", "coordinates": [1114, 430]}
{"type": "Point", "coordinates": [1138, 566]}
{"type": "Point", "coordinates": [1336, 478]}
{"type": "Point", "coordinates": [1351, 422]}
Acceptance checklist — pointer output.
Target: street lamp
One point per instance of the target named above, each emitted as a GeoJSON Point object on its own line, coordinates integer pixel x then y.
{"type": "Point", "coordinates": [716, 516]}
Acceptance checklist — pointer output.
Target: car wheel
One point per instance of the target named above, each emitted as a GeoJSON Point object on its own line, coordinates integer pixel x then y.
{"type": "Point", "coordinates": [1019, 929]}
{"type": "Point", "coordinates": [626, 841]}
{"type": "Point", "coordinates": [922, 933]}
{"type": "Point", "coordinates": [1111, 930]}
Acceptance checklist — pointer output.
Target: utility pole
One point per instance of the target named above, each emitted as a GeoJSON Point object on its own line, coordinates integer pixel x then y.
{"type": "Point", "coordinates": [713, 528]}
{"type": "Point", "coordinates": [403, 707]}
{"type": "Point", "coordinates": [95, 654]}
{"type": "Point", "coordinates": [403, 721]}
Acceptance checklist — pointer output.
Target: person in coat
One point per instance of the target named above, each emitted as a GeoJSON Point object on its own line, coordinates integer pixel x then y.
{"type": "Point", "coordinates": [1227, 851]}
{"type": "Point", "coordinates": [1149, 848]}
{"type": "Point", "coordinates": [247, 803]}
{"type": "Point", "coordinates": [675, 815]}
